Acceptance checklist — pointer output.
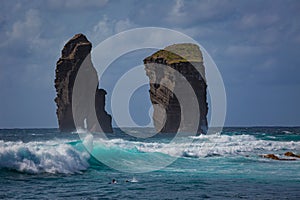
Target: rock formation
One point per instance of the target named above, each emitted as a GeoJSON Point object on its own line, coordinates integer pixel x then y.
{"type": "Point", "coordinates": [291, 154]}
{"type": "Point", "coordinates": [287, 154]}
{"type": "Point", "coordinates": [76, 54]}
{"type": "Point", "coordinates": [188, 61]}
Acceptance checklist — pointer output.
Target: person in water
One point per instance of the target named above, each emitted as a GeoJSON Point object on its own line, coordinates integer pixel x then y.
{"type": "Point", "coordinates": [113, 181]}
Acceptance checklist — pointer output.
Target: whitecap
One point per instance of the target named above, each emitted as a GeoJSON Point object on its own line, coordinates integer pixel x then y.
{"type": "Point", "coordinates": [42, 157]}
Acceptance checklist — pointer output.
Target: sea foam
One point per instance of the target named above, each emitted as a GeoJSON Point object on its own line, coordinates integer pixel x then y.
{"type": "Point", "coordinates": [42, 157]}
{"type": "Point", "coordinates": [73, 157]}
{"type": "Point", "coordinates": [207, 146]}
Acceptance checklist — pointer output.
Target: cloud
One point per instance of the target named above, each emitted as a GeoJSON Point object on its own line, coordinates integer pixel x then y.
{"type": "Point", "coordinates": [249, 51]}
{"type": "Point", "coordinates": [177, 12]}
{"type": "Point", "coordinates": [26, 54]}
{"type": "Point", "coordinates": [103, 28]}
{"type": "Point", "coordinates": [75, 4]}
{"type": "Point", "coordinates": [190, 12]}
{"type": "Point", "coordinates": [256, 20]}
{"type": "Point", "coordinates": [29, 27]}
{"type": "Point", "coordinates": [106, 27]}
{"type": "Point", "coordinates": [24, 35]}
{"type": "Point", "coordinates": [123, 25]}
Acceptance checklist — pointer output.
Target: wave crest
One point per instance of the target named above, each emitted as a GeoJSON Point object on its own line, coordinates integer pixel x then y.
{"type": "Point", "coordinates": [42, 157]}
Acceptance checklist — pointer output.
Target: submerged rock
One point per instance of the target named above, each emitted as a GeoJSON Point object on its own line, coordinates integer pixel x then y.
{"type": "Point", "coordinates": [188, 61]}
{"type": "Point", "coordinates": [75, 52]}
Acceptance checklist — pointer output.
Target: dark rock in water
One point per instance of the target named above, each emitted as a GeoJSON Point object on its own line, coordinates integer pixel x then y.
{"type": "Point", "coordinates": [271, 156]}
{"type": "Point", "coordinates": [291, 154]}
{"type": "Point", "coordinates": [188, 61]}
{"type": "Point", "coordinates": [274, 157]}
{"type": "Point", "coordinates": [75, 52]}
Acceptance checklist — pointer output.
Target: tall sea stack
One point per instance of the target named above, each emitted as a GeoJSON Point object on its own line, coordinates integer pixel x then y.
{"type": "Point", "coordinates": [75, 52]}
{"type": "Point", "coordinates": [188, 61]}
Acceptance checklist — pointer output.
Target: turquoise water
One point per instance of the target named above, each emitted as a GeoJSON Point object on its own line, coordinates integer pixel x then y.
{"type": "Point", "coordinates": [43, 163]}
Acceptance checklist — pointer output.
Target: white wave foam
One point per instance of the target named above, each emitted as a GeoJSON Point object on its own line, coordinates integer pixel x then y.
{"type": "Point", "coordinates": [60, 157]}
{"type": "Point", "coordinates": [208, 145]}
{"type": "Point", "coordinates": [41, 157]}
{"type": "Point", "coordinates": [134, 180]}
{"type": "Point", "coordinates": [287, 132]}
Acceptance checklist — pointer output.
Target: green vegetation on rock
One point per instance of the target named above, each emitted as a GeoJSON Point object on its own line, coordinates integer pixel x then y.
{"type": "Point", "coordinates": [185, 52]}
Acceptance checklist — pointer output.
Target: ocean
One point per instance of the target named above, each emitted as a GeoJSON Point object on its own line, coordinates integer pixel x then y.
{"type": "Point", "coordinates": [47, 164]}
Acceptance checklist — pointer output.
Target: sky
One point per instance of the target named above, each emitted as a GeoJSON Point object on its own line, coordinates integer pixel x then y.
{"type": "Point", "coordinates": [255, 44]}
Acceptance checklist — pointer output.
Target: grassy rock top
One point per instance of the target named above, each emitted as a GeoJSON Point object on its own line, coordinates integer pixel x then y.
{"type": "Point", "coordinates": [185, 52]}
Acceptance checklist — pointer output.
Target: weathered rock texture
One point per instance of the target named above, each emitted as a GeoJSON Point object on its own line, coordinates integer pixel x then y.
{"type": "Point", "coordinates": [190, 65]}
{"type": "Point", "coordinates": [75, 51]}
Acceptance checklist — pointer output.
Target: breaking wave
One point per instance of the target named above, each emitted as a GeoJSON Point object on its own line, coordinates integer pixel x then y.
{"type": "Point", "coordinates": [42, 157]}
{"type": "Point", "coordinates": [69, 157]}
{"type": "Point", "coordinates": [207, 145]}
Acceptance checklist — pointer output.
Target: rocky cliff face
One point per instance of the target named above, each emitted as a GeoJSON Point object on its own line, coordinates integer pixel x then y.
{"type": "Point", "coordinates": [188, 61]}
{"type": "Point", "coordinates": [75, 51]}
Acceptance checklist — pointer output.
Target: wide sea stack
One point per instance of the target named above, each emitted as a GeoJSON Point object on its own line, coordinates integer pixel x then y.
{"type": "Point", "coordinates": [76, 52]}
{"type": "Point", "coordinates": [186, 59]}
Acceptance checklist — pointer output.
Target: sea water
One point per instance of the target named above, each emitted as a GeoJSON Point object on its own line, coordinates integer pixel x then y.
{"type": "Point", "coordinates": [44, 163]}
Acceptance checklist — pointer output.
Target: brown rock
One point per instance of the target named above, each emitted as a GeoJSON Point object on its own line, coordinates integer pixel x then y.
{"type": "Point", "coordinates": [274, 157]}
{"type": "Point", "coordinates": [271, 156]}
{"type": "Point", "coordinates": [291, 154]}
{"type": "Point", "coordinates": [75, 51]}
{"type": "Point", "coordinates": [188, 61]}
